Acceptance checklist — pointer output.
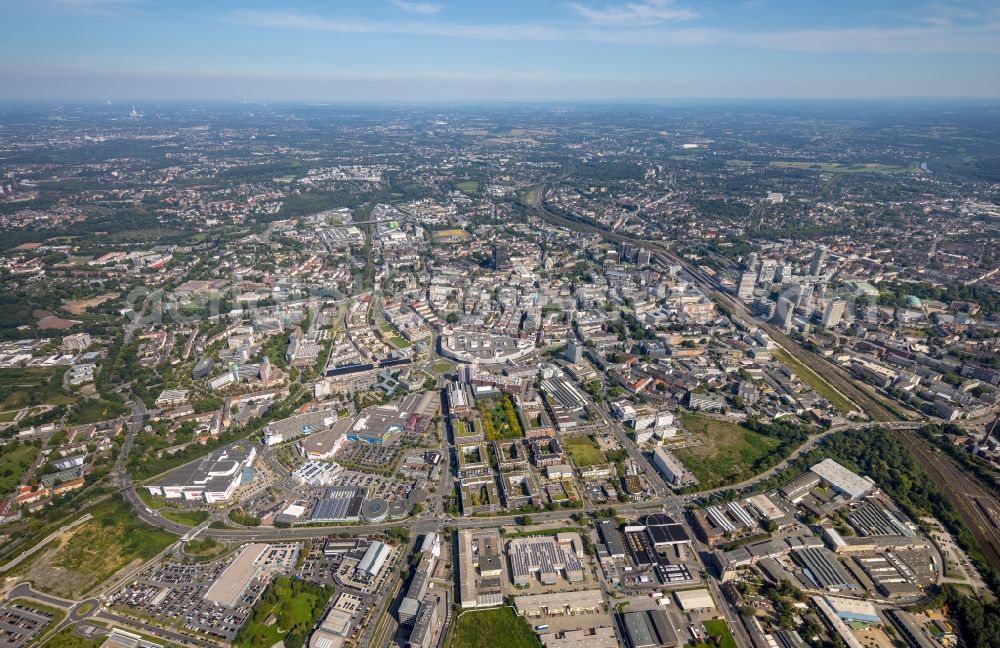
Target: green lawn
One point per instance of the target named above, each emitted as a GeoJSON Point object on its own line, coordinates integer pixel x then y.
{"type": "Point", "coordinates": [14, 461]}
{"type": "Point", "coordinates": [583, 451]}
{"type": "Point", "coordinates": [812, 379]}
{"type": "Point", "coordinates": [726, 453]}
{"type": "Point", "coordinates": [441, 367]}
{"type": "Point", "coordinates": [468, 186]}
{"type": "Point", "coordinates": [295, 605]}
{"type": "Point", "coordinates": [66, 639]}
{"type": "Point", "coordinates": [493, 629]}
{"type": "Point", "coordinates": [185, 517]}
{"type": "Point", "coordinates": [719, 631]}
{"type": "Point", "coordinates": [399, 342]}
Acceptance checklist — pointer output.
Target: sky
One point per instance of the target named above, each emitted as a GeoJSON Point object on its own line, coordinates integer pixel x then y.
{"type": "Point", "coordinates": [496, 50]}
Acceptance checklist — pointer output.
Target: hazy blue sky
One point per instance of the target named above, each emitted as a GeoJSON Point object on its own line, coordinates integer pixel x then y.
{"type": "Point", "coordinates": [404, 50]}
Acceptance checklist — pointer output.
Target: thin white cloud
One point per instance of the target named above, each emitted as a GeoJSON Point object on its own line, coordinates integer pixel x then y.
{"type": "Point", "coordinates": [422, 8]}
{"type": "Point", "coordinates": [90, 5]}
{"type": "Point", "coordinates": [650, 12]}
{"type": "Point", "coordinates": [983, 38]}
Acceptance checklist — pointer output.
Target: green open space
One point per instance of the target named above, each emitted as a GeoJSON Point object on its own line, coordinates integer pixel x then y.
{"type": "Point", "coordinates": [814, 380]}
{"type": "Point", "coordinates": [15, 459]}
{"type": "Point", "coordinates": [94, 551]}
{"type": "Point", "coordinates": [287, 611]}
{"type": "Point", "coordinates": [441, 367]}
{"type": "Point", "coordinates": [492, 628]}
{"type": "Point", "coordinates": [499, 418]}
{"type": "Point", "coordinates": [97, 409]}
{"type": "Point", "coordinates": [203, 547]}
{"type": "Point", "coordinates": [154, 502]}
{"type": "Point", "coordinates": [719, 631]}
{"type": "Point", "coordinates": [583, 451]}
{"type": "Point", "coordinates": [725, 451]}
{"type": "Point", "coordinates": [66, 638]}
{"type": "Point", "coordinates": [468, 186]}
{"type": "Point", "coordinates": [399, 342]}
{"type": "Point", "coordinates": [183, 516]}
{"type": "Point", "coordinates": [32, 386]}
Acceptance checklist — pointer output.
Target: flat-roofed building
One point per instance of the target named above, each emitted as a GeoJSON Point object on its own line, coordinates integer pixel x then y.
{"type": "Point", "coordinates": [841, 479]}
{"type": "Point", "coordinates": [213, 478]}
{"type": "Point", "coordinates": [233, 581]}
{"type": "Point", "coordinates": [556, 604]}
{"type": "Point", "coordinates": [664, 531]}
{"type": "Point", "coordinates": [548, 557]}
{"type": "Point", "coordinates": [600, 637]}
{"type": "Point", "coordinates": [424, 626]}
{"type": "Point", "coordinates": [649, 629]}
{"type": "Point", "coordinates": [853, 610]}
{"type": "Point", "coordinates": [610, 546]}
{"type": "Point", "coordinates": [673, 471]}
{"type": "Point", "coordinates": [479, 568]}
{"type": "Point", "coordinates": [339, 504]}
{"type": "Point", "coordinates": [695, 599]}
{"type": "Point", "coordinates": [326, 443]}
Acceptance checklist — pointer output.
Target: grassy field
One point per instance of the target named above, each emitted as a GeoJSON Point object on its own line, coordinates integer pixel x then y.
{"type": "Point", "coordinates": [491, 629]}
{"type": "Point", "coordinates": [14, 461]}
{"type": "Point", "coordinates": [32, 386]}
{"type": "Point", "coordinates": [399, 342]}
{"type": "Point", "coordinates": [181, 516]}
{"type": "Point", "coordinates": [812, 379]}
{"type": "Point", "coordinates": [718, 630]}
{"type": "Point", "coordinates": [441, 366]}
{"type": "Point", "coordinates": [98, 409]}
{"type": "Point", "coordinates": [94, 551]}
{"type": "Point", "coordinates": [66, 639]}
{"type": "Point", "coordinates": [296, 607]}
{"type": "Point", "coordinates": [727, 451]}
{"type": "Point", "coordinates": [468, 186]}
{"type": "Point", "coordinates": [583, 451]}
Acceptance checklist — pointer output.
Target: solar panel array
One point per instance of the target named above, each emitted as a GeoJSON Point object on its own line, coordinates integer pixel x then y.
{"type": "Point", "coordinates": [543, 555]}
{"type": "Point", "coordinates": [339, 504]}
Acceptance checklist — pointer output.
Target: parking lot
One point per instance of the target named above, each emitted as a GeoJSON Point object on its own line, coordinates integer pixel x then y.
{"type": "Point", "coordinates": [173, 594]}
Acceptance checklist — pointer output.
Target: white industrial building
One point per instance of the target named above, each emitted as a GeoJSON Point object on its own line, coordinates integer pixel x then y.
{"type": "Point", "coordinates": [841, 479]}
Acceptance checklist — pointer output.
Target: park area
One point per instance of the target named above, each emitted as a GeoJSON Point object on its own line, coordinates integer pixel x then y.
{"type": "Point", "coordinates": [32, 386]}
{"type": "Point", "coordinates": [724, 452]}
{"type": "Point", "coordinates": [72, 565]}
{"type": "Point", "coordinates": [15, 460]}
{"type": "Point", "coordinates": [286, 613]}
{"type": "Point", "coordinates": [583, 450]}
{"type": "Point", "coordinates": [500, 420]}
{"type": "Point", "coordinates": [492, 629]}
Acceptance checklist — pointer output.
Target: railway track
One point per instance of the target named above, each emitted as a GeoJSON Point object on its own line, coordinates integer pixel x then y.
{"type": "Point", "coordinates": [834, 375]}
{"type": "Point", "coordinates": [975, 505]}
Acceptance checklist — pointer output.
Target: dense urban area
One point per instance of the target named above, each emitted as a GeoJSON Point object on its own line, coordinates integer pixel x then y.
{"type": "Point", "coordinates": [721, 375]}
